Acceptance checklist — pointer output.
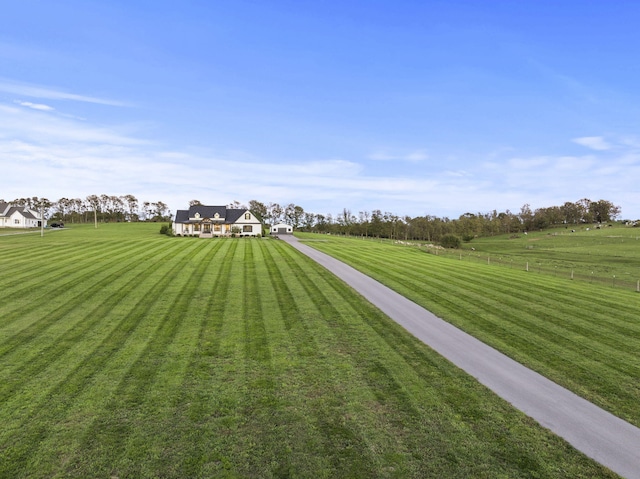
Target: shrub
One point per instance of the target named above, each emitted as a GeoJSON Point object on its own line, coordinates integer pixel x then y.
{"type": "Point", "coordinates": [450, 241]}
{"type": "Point", "coordinates": [467, 237]}
{"type": "Point", "coordinates": [166, 230]}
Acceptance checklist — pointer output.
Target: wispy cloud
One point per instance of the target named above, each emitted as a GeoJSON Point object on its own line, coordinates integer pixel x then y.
{"type": "Point", "coordinates": [30, 126]}
{"type": "Point", "coordinates": [35, 91]}
{"type": "Point", "coordinates": [35, 106]}
{"type": "Point", "coordinates": [59, 157]}
{"type": "Point", "coordinates": [411, 156]}
{"type": "Point", "coordinates": [594, 142]}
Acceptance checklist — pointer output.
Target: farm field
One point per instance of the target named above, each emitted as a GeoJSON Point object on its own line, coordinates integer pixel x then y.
{"type": "Point", "coordinates": [609, 256]}
{"type": "Point", "coordinates": [125, 353]}
{"type": "Point", "coordinates": [581, 335]}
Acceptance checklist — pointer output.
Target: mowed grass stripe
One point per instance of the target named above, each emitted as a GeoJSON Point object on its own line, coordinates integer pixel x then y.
{"type": "Point", "coordinates": [471, 272]}
{"type": "Point", "coordinates": [57, 261]}
{"type": "Point", "coordinates": [340, 399]}
{"type": "Point", "coordinates": [547, 321]}
{"type": "Point", "coordinates": [24, 425]}
{"type": "Point", "coordinates": [122, 427]}
{"type": "Point", "coordinates": [448, 413]}
{"type": "Point", "coordinates": [504, 315]}
{"type": "Point", "coordinates": [480, 297]}
{"type": "Point", "coordinates": [551, 328]}
{"type": "Point", "coordinates": [327, 393]}
{"type": "Point", "coordinates": [33, 315]}
{"type": "Point", "coordinates": [26, 327]}
{"type": "Point", "coordinates": [485, 299]}
{"type": "Point", "coordinates": [64, 339]}
{"type": "Point", "coordinates": [406, 393]}
{"type": "Point", "coordinates": [40, 294]}
{"type": "Point", "coordinates": [370, 382]}
{"type": "Point", "coordinates": [616, 314]}
{"type": "Point", "coordinates": [243, 390]}
{"type": "Point", "coordinates": [171, 357]}
{"type": "Point", "coordinates": [266, 421]}
{"type": "Point", "coordinates": [199, 424]}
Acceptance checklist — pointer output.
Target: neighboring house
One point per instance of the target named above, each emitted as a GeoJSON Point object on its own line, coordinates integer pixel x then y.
{"type": "Point", "coordinates": [19, 217]}
{"type": "Point", "coordinates": [281, 229]}
{"type": "Point", "coordinates": [209, 221]}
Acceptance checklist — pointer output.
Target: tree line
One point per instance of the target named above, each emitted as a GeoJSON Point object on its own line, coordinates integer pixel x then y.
{"type": "Point", "coordinates": [374, 223]}
{"type": "Point", "coordinates": [104, 208]}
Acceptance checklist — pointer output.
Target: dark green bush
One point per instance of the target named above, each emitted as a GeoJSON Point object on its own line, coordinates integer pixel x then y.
{"type": "Point", "coordinates": [467, 237]}
{"type": "Point", "coordinates": [450, 241]}
{"type": "Point", "coordinates": [166, 230]}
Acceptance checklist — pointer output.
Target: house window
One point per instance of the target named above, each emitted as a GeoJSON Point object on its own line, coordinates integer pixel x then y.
{"type": "Point", "coordinates": [247, 216]}
{"type": "Point", "coordinates": [247, 229]}
{"type": "Point", "coordinates": [16, 221]}
{"type": "Point", "coordinates": [196, 227]}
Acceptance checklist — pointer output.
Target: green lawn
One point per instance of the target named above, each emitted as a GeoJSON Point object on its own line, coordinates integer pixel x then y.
{"type": "Point", "coordinates": [608, 256]}
{"type": "Point", "coordinates": [583, 336]}
{"type": "Point", "coordinates": [125, 353]}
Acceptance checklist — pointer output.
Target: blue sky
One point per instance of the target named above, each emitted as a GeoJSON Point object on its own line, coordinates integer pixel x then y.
{"type": "Point", "coordinates": [412, 107]}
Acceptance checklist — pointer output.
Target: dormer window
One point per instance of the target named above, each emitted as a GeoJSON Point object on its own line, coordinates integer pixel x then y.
{"type": "Point", "coordinates": [197, 215]}
{"type": "Point", "coordinates": [216, 216]}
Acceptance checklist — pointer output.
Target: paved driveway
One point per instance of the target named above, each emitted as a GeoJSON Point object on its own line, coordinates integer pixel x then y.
{"type": "Point", "coordinates": [590, 429]}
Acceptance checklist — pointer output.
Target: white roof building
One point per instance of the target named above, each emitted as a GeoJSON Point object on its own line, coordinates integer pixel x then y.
{"type": "Point", "coordinates": [19, 217]}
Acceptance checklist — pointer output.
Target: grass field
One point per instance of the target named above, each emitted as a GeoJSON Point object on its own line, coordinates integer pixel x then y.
{"type": "Point", "coordinates": [580, 335]}
{"type": "Point", "coordinates": [125, 353]}
{"type": "Point", "coordinates": [609, 257]}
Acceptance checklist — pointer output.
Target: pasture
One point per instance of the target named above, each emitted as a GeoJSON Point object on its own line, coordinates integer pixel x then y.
{"type": "Point", "coordinates": [125, 353]}
{"type": "Point", "coordinates": [583, 336]}
{"type": "Point", "coordinates": [609, 257]}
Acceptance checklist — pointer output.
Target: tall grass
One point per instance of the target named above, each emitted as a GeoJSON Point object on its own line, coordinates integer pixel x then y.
{"type": "Point", "coordinates": [125, 353]}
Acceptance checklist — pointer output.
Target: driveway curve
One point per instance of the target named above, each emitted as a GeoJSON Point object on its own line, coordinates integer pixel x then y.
{"type": "Point", "coordinates": [595, 432]}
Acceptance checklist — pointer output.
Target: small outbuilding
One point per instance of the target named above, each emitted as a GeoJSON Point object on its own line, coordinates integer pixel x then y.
{"type": "Point", "coordinates": [281, 229]}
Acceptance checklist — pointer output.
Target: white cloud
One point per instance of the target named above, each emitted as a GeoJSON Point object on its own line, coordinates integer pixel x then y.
{"type": "Point", "coordinates": [35, 106]}
{"type": "Point", "coordinates": [594, 142]}
{"type": "Point", "coordinates": [35, 91]}
{"type": "Point", "coordinates": [411, 156]}
{"type": "Point", "coordinates": [58, 157]}
{"type": "Point", "coordinates": [27, 125]}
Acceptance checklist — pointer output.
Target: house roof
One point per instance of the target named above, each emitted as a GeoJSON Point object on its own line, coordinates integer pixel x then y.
{"type": "Point", "coordinates": [23, 210]}
{"type": "Point", "coordinates": [208, 211]}
{"type": "Point", "coordinates": [234, 214]}
{"type": "Point", "coordinates": [182, 216]}
{"type": "Point", "coordinates": [26, 213]}
{"type": "Point", "coordinates": [226, 215]}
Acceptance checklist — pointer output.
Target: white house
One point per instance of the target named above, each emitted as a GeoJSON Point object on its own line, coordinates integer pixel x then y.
{"type": "Point", "coordinates": [209, 221]}
{"type": "Point", "coordinates": [19, 217]}
{"type": "Point", "coordinates": [281, 229]}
